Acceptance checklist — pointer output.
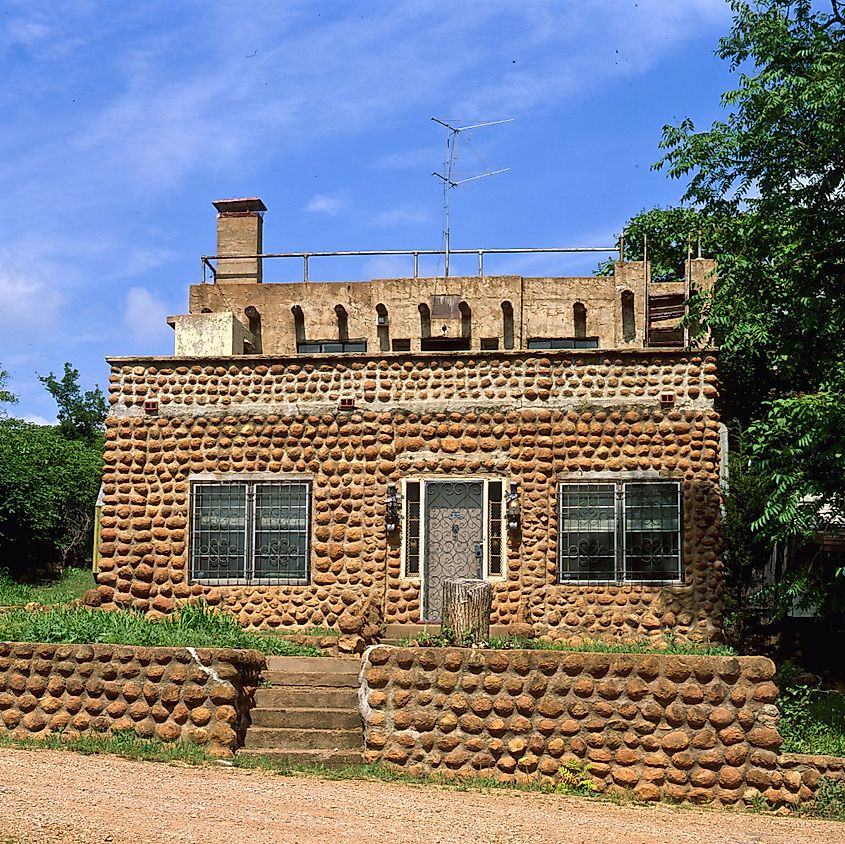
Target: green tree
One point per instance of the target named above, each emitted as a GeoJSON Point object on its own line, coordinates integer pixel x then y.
{"type": "Point", "coordinates": [49, 477]}
{"type": "Point", "coordinates": [5, 396]}
{"type": "Point", "coordinates": [775, 169]}
{"type": "Point", "coordinates": [48, 486]}
{"type": "Point", "coordinates": [81, 415]}
{"type": "Point", "coordinates": [671, 234]}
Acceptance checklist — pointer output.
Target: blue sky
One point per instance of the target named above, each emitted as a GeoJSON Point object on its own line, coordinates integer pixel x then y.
{"type": "Point", "coordinates": [123, 121]}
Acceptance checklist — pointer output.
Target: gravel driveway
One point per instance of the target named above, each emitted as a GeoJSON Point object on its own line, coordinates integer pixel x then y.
{"type": "Point", "coordinates": [65, 797]}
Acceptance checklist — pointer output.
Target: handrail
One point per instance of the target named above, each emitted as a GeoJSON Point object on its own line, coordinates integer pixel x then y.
{"type": "Point", "coordinates": [209, 267]}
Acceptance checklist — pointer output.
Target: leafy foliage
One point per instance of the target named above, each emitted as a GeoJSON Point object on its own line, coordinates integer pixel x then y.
{"type": "Point", "coordinates": [48, 487]}
{"type": "Point", "coordinates": [812, 719]}
{"type": "Point", "coordinates": [829, 801]}
{"type": "Point", "coordinates": [573, 777]}
{"type": "Point", "coordinates": [776, 169]}
{"type": "Point", "coordinates": [672, 235]}
{"type": "Point", "coordinates": [81, 415]}
{"type": "Point", "coordinates": [5, 396]}
{"type": "Point", "coordinates": [770, 181]}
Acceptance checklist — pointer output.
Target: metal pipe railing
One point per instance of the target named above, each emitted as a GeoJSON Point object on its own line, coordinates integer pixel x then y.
{"type": "Point", "coordinates": [209, 268]}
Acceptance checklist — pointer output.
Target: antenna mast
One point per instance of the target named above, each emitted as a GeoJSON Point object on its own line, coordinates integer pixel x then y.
{"type": "Point", "coordinates": [450, 177]}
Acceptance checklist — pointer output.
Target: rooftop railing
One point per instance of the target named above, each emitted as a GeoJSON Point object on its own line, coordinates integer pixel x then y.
{"type": "Point", "coordinates": [209, 269]}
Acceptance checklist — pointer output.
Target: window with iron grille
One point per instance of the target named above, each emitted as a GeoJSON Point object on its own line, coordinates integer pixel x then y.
{"type": "Point", "coordinates": [620, 531]}
{"type": "Point", "coordinates": [252, 532]}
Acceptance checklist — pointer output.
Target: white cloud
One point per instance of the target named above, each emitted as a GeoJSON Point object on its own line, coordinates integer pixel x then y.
{"type": "Point", "coordinates": [325, 204]}
{"type": "Point", "coordinates": [35, 419]}
{"type": "Point", "coordinates": [402, 217]}
{"type": "Point", "coordinates": [28, 305]}
{"type": "Point", "coordinates": [144, 316]}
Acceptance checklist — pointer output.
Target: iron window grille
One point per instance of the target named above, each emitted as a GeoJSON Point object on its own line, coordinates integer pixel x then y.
{"type": "Point", "coordinates": [250, 532]}
{"type": "Point", "coordinates": [563, 343]}
{"type": "Point", "coordinates": [622, 531]}
{"type": "Point", "coordinates": [322, 347]}
{"type": "Point", "coordinates": [493, 525]}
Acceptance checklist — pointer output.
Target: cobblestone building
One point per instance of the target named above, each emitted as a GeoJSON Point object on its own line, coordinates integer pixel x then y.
{"type": "Point", "coordinates": [317, 446]}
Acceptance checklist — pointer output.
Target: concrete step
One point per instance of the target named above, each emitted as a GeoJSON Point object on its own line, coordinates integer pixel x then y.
{"type": "Point", "coordinates": [307, 718]}
{"type": "Point", "coordinates": [324, 758]}
{"type": "Point", "coordinates": [303, 697]}
{"type": "Point", "coordinates": [329, 679]}
{"type": "Point", "coordinates": [301, 739]}
{"type": "Point", "coordinates": [314, 665]}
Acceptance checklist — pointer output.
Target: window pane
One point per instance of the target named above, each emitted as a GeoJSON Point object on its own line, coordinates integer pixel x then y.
{"type": "Point", "coordinates": [281, 531]}
{"type": "Point", "coordinates": [494, 493]}
{"type": "Point", "coordinates": [218, 531]}
{"type": "Point", "coordinates": [587, 530]}
{"type": "Point", "coordinates": [412, 535]}
{"type": "Point", "coordinates": [652, 531]}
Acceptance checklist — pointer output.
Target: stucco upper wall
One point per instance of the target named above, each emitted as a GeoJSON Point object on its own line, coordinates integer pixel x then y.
{"type": "Point", "coordinates": [541, 307]}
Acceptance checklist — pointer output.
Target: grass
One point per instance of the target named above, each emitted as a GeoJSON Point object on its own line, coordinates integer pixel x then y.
{"type": "Point", "coordinates": [812, 719]}
{"type": "Point", "coordinates": [382, 773]}
{"type": "Point", "coordinates": [642, 646]}
{"type": "Point", "coordinates": [72, 584]}
{"type": "Point", "coordinates": [829, 803]}
{"type": "Point", "coordinates": [125, 744]}
{"type": "Point", "coordinates": [196, 626]}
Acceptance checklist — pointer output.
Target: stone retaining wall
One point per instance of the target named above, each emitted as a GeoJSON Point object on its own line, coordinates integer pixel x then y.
{"type": "Point", "coordinates": [691, 728]}
{"type": "Point", "coordinates": [165, 693]}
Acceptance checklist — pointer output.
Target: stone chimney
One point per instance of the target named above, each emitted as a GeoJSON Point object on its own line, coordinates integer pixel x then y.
{"type": "Point", "coordinates": [239, 232]}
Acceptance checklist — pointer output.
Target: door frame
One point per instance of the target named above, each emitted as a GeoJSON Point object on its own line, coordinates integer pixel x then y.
{"type": "Point", "coordinates": [424, 482]}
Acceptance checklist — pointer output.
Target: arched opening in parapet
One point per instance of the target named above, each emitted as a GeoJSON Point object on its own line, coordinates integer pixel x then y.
{"type": "Point", "coordinates": [382, 328]}
{"type": "Point", "coordinates": [254, 320]}
{"type": "Point", "coordinates": [580, 315]}
{"type": "Point", "coordinates": [298, 323]}
{"type": "Point", "coordinates": [425, 320]}
{"type": "Point", "coordinates": [507, 325]}
{"type": "Point", "coordinates": [342, 323]}
{"type": "Point", "coordinates": [466, 320]}
{"type": "Point", "coordinates": [629, 324]}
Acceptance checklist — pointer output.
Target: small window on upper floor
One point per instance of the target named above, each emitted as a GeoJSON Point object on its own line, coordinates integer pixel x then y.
{"type": "Point", "coordinates": [320, 347]}
{"type": "Point", "coordinates": [401, 344]}
{"type": "Point", "coordinates": [563, 343]}
{"type": "Point", "coordinates": [489, 343]}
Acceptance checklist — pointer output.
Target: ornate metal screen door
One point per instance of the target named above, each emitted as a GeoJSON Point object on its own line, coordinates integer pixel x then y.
{"type": "Point", "coordinates": [453, 537]}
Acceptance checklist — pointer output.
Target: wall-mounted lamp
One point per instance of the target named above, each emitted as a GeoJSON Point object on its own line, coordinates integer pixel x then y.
{"type": "Point", "coordinates": [391, 509]}
{"type": "Point", "coordinates": [513, 508]}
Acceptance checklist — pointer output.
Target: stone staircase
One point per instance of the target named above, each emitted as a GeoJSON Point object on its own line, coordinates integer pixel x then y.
{"type": "Point", "coordinates": [308, 715]}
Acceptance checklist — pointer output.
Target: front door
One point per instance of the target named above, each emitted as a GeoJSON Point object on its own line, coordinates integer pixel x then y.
{"type": "Point", "coordinates": [453, 538]}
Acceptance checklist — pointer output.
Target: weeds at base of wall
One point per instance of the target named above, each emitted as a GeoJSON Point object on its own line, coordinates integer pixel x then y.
{"type": "Point", "coordinates": [671, 646]}
{"type": "Point", "coordinates": [125, 744]}
{"type": "Point", "coordinates": [829, 802]}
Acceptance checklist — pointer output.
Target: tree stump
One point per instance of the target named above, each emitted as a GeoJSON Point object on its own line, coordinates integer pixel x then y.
{"type": "Point", "coordinates": [466, 610]}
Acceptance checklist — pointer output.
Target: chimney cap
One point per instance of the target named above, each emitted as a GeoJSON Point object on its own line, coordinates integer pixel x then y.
{"type": "Point", "coordinates": [239, 206]}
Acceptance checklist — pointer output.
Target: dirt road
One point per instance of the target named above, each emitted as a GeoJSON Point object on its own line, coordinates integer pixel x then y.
{"type": "Point", "coordinates": [47, 796]}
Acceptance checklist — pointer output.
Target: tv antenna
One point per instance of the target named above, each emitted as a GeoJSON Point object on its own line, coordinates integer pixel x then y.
{"type": "Point", "coordinates": [450, 177]}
